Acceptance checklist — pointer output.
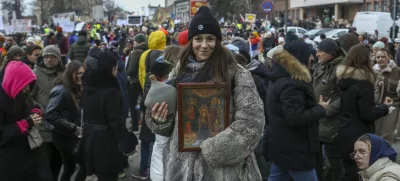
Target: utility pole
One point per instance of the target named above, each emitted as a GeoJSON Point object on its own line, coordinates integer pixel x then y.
{"type": "Point", "coordinates": [286, 14]}
{"type": "Point", "coordinates": [395, 17]}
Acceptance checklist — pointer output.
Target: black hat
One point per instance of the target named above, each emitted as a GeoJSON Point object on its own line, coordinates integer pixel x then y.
{"type": "Point", "coordinates": [290, 36]}
{"type": "Point", "coordinates": [204, 23]}
{"type": "Point", "coordinates": [329, 46]}
{"type": "Point", "coordinates": [129, 41]}
{"type": "Point", "coordinates": [300, 50]}
{"type": "Point", "coordinates": [106, 61]}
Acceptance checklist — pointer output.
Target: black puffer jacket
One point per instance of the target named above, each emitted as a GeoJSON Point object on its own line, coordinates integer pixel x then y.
{"type": "Point", "coordinates": [293, 114]}
{"type": "Point", "coordinates": [79, 50]}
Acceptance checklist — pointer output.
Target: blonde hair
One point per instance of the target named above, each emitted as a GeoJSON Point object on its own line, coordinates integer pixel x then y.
{"type": "Point", "coordinates": [366, 139]}
{"type": "Point", "coordinates": [171, 54]}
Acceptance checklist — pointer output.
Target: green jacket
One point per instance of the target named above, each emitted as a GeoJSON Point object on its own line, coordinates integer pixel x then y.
{"type": "Point", "coordinates": [79, 50]}
{"type": "Point", "coordinates": [132, 68]}
{"type": "Point", "coordinates": [325, 84]}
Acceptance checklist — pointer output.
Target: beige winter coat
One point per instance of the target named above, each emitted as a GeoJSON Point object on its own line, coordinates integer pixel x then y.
{"type": "Point", "coordinates": [228, 156]}
{"type": "Point", "coordinates": [382, 170]}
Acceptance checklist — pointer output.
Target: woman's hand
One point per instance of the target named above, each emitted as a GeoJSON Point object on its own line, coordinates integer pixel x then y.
{"type": "Point", "coordinates": [78, 132]}
{"type": "Point", "coordinates": [388, 101]}
{"type": "Point", "coordinates": [160, 112]}
{"type": "Point", "coordinates": [324, 104]}
{"type": "Point", "coordinates": [36, 118]}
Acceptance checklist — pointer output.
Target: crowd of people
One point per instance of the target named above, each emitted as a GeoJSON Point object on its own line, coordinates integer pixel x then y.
{"type": "Point", "coordinates": [297, 110]}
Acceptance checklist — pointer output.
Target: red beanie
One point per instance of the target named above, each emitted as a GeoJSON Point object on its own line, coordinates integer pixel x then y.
{"type": "Point", "coordinates": [59, 29]}
{"type": "Point", "coordinates": [183, 39]}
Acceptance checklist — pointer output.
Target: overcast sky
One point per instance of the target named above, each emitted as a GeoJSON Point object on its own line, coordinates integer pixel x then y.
{"type": "Point", "coordinates": [130, 5]}
{"type": "Point", "coordinates": [136, 5]}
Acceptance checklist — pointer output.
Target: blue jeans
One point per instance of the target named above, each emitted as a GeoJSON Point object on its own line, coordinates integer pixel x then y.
{"type": "Point", "coordinates": [278, 174]}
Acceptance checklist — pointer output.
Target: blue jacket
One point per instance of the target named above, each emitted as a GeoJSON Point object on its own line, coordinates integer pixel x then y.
{"type": "Point", "coordinates": [72, 39]}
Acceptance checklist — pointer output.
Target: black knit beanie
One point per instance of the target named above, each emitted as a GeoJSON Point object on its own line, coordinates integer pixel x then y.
{"type": "Point", "coordinates": [106, 61]}
{"type": "Point", "coordinates": [300, 50]}
{"type": "Point", "coordinates": [204, 23]}
{"type": "Point", "coordinates": [329, 46]}
{"type": "Point", "coordinates": [290, 36]}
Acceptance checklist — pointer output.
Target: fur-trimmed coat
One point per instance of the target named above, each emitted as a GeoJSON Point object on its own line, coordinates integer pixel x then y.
{"type": "Point", "coordinates": [293, 114]}
{"type": "Point", "coordinates": [230, 154]}
{"type": "Point", "coordinates": [387, 85]}
{"type": "Point", "coordinates": [358, 107]}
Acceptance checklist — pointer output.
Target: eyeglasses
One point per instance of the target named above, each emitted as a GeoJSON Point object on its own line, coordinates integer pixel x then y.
{"type": "Point", "coordinates": [52, 58]}
{"type": "Point", "coordinates": [360, 154]}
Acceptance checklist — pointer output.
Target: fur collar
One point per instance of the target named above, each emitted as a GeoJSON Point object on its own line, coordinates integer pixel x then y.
{"type": "Point", "coordinates": [293, 66]}
{"type": "Point", "coordinates": [352, 73]}
{"type": "Point", "coordinates": [378, 70]}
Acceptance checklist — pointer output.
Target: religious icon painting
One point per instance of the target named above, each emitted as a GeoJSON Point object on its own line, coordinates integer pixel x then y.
{"type": "Point", "coordinates": [203, 112]}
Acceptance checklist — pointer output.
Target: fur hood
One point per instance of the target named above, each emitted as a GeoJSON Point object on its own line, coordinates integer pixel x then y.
{"type": "Point", "coordinates": [292, 66]}
{"type": "Point", "coordinates": [345, 72]}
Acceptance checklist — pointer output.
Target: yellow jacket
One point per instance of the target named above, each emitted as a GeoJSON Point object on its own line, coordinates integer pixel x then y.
{"type": "Point", "coordinates": [157, 41]}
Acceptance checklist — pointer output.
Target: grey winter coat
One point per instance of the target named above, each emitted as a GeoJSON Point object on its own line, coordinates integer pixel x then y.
{"type": "Point", "coordinates": [41, 92]}
{"type": "Point", "coordinates": [325, 84]}
{"type": "Point", "coordinates": [230, 154]}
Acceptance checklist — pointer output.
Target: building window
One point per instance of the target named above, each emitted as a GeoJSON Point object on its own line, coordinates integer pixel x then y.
{"type": "Point", "coordinates": [298, 14]}
{"type": "Point", "coordinates": [369, 7]}
{"type": "Point", "coordinates": [384, 6]}
{"type": "Point", "coordinates": [376, 6]}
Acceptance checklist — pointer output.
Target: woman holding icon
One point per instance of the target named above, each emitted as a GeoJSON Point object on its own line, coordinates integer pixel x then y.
{"type": "Point", "coordinates": [18, 159]}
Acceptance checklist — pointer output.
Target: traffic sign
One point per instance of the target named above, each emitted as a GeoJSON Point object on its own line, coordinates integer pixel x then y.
{"type": "Point", "coordinates": [266, 6]}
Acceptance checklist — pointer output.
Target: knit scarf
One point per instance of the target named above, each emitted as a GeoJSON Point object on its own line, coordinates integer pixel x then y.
{"type": "Point", "coordinates": [190, 71]}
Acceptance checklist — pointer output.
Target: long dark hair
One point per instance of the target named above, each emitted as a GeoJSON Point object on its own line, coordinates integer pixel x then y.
{"type": "Point", "coordinates": [215, 67]}
{"type": "Point", "coordinates": [358, 57]}
{"type": "Point", "coordinates": [23, 101]}
{"type": "Point", "coordinates": [67, 79]}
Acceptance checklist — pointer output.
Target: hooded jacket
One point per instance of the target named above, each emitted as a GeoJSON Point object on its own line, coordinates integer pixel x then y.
{"type": "Point", "coordinates": [230, 154]}
{"type": "Point", "coordinates": [44, 84]}
{"type": "Point", "coordinates": [18, 161]}
{"type": "Point", "coordinates": [382, 162]}
{"type": "Point", "coordinates": [79, 50]}
{"type": "Point", "coordinates": [293, 114]}
{"type": "Point", "coordinates": [324, 83]}
{"type": "Point", "coordinates": [157, 41]}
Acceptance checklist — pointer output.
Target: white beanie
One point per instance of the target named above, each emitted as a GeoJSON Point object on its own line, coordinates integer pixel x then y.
{"type": "Point", "coordinates": [272, 30]}
{"type": "Point", "coordinates": [281, 40]}
{"type": "Point", "coordinates": [30, 40]}
{"type": "Point", "coordinates": [379, 44]}
{"type": "Point", "coordinates": [271, 52]}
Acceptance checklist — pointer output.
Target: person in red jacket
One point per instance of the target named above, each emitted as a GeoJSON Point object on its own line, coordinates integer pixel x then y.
{"type": "Point", "coordinates": [62, 42]}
